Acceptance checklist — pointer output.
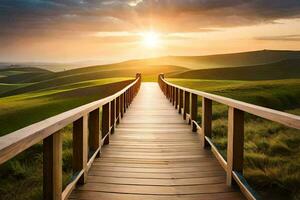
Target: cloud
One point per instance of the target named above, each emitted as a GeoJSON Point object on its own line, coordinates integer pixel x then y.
{"type": "Point", "coordinates": [33, 17]}
{"type": "Point", "coordinates": [295, 38]}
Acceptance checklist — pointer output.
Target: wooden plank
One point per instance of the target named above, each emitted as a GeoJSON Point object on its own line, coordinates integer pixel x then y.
{"type": "Point", "coordinates": [87, 195]}
{"type": "Point", "coordinates": [158, 182]}
{"type": "Point", "coordinates": [157, 170]}
{"type": "Point", "coordinates": [158, 190]}
{"type": "Point", "coordinates": [52, 167]}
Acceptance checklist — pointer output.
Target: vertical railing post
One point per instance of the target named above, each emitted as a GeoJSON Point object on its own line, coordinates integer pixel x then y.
{"type": "Point", "coordinates": [127, 98]}
{"type": "Point", "coordinates": [118, 103]}
{"type": "Point", "coordinates": [112, 115]}
{"type": "Point", "coordinates": [176, 98]}
{"type": "Point", "coordinates": [124, 102]}
{"type": "Point", "coordinates": [235, 143]}
{"type": "Point", "coordinates": [80, 147]}
{"type": "Point", "coordinates": [180, 101]}
{"type": "Point", "coordinates": [206, 120]}
{"type": "Point", "coordinates": [122, 105]}
{"type": "Point", "coordinates": [105, 123]}
{"type": "Point", "coordinates": [130, 96]}
{"type": "Point", "coordinates": [167, 87]}
{"type": "Point", "coordinates": [52, 167]}
{"type": "Point", "coordinates": [194, 111]}
{"type": "Point", "coordinates": [186, 108]}
{"type": "Point", "coordinates": [94, 130]}
{"type": "Point", "coordinates": [173, 95]}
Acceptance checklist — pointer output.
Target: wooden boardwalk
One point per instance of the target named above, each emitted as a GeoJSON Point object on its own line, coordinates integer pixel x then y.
{"type": "Point", "coordinates": [154, 155]}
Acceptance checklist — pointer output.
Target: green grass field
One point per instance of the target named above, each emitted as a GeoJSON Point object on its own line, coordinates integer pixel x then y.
{"type": "Point", "coordinates": [286, 69]}
{"type": "Point", "coordinates": [272, 151]}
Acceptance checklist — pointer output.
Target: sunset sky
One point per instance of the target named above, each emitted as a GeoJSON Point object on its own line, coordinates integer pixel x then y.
{"type": "Point", "coordinates": [116, 30]}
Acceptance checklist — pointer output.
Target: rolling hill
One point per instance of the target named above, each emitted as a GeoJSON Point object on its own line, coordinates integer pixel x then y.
{"type": "Point", "coordinates": [220, 60]}
{"type": "Point", "coordinates": [35, 82]}
{"type": "Point", "coordinates": [286, 69]}
{"type": "Point", "coordinates": [191, 62]}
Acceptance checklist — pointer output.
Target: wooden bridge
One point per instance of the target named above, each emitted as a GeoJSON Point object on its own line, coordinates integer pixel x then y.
{"type": "Point", "coordinates": [145, 151]}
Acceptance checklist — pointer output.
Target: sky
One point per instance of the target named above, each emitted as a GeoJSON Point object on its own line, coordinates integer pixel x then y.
{"type": "Point", "coordinates": [117, 30]}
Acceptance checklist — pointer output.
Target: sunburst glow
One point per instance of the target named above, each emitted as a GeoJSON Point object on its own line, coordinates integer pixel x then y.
{"type": "Point", "coordinates": [150, 39]}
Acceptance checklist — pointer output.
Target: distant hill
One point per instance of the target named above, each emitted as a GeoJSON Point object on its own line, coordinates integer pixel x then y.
{"type": "Point", "coordinates": [192, 62]}
{"type": "Point", "coordinates": [256, 65]}
{"type": "Point", "coordinates": [15, 75]}
{"type": "Point", "coordinates": [221, 60]}
{"type": "Point", "coordinates": [50, 80]}
{"type": "Point", "coordinates": [286, 69]}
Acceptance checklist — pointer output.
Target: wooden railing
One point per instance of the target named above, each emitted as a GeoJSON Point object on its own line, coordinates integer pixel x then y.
{"type": "Point", "coordinates": [86, 124]}
{"type": "Point", "coordinates": [185, 100]}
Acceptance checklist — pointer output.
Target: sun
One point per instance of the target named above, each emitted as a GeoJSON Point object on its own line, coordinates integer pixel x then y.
{"type": "Point", "coordinates": [150, 39]}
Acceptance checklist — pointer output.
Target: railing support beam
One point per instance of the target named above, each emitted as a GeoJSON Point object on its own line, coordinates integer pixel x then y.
{"type": "Point", "coordinates": [106, 123]}
{"type": "Point", "coordinates": [112, 115]}
{"type": "Point", "coordinates": [194, 111]}
{"type": "Point", "coordinates": [206, 120]}
{"type": "Point", "coordinates": [176, 98]}
{"type": "Point", "coordinates": [94, 130]}
{"type": "Point", "coordinates": [186, 108]}
{"type": "Point", "coordinates": [235, 146]}
{"type": "Point", "coordinates": [80, 147]}
{"type": "Point", "coordinates": [118, 110]}
{"type": "Point", "coordinates": [52, 167]}
{"type": "Point", "coordinates": [180, 101]}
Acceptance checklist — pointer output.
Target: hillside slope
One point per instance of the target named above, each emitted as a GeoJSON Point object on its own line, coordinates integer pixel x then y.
{"type": "Point", "coordinates": [287, 69]}
{"type": "Point", "coordinates": [50, 80]}
{"type": "Point", "coordinates": [221, 60]}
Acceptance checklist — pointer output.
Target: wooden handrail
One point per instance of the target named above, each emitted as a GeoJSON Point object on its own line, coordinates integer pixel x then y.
{"type": "Point", "coordinates": [235, 142]}
{"type": "Point", "coordinates": [284, 118]}
{"type": "Point", "coordinates": [85, 121]}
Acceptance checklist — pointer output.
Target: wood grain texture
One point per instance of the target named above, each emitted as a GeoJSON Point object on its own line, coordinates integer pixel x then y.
{"type": "Point", "coordinates": [106, 122]}
{"type": "Point", "coordinates": [235, 147]}
{"type": "Point", "coordinates": [206, 120]}
{"type": "Point", "coordinates": [154, 155]}
{"type": "Point", "coordinates": [194, 111]}
{"type": "Point", "coordinates": [94, 130]}
{"type": "Point", "coordinates": [52, 167]}
{"type": "Point", "coordinates": [80, 147]}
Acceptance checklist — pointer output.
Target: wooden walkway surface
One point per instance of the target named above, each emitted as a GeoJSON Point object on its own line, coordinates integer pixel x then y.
{"type": "Point", "coordinates": [154, 155]}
